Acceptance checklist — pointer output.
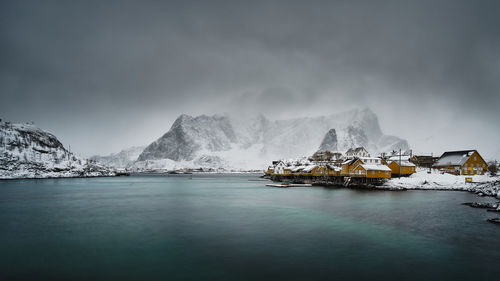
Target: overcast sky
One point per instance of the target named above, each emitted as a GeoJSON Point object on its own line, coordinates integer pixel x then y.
{"type": "Point", "coordinates": [105, 75]}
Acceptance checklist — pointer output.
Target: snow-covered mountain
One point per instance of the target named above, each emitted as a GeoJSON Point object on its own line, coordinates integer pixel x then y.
{"type": "Point", "coordinates": [29, 152]}
{"type": "Point", "coordinates": [122, 159]}
{"type": "Point", "coordinates": [239, 143]}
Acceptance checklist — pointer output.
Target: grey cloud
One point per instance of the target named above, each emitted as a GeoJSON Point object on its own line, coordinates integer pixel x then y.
{"type": "Point", "coordinates": [121, 71]}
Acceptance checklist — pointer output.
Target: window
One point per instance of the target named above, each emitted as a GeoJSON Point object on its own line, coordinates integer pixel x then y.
{"type": "Point", "coordinates": [373, 172]}
{"type": "Point", "coordinates": [474, 158]}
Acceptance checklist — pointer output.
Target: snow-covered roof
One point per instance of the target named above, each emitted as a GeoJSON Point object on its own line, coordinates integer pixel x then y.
{"type": "Point", "coordinates": [331, 167]}
{"type": "Point", "coordinates": [404, 163]}
{"type": "Point", "coordinates": [369, 158]}
{"type": "Point", "coordinates": [350, 161]}
{"type": "Point", "coordinates": [298, 168]}
{"type": "Point", "coordinates": [356, 150]}
{"type": "Point", "coordinates": [309, 168]}
{"type": "Point", "coordinates": [372, 167]}
{"type": "Point", "coordinates": [454, 158]}
{"type": "Point", "coordinates": [396, 158]}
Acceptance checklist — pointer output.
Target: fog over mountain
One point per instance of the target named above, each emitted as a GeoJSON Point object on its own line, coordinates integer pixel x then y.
{"type": "Point", "coordinates": [235, 142]}
{"type": "Point", "coordinates": [107, 75]}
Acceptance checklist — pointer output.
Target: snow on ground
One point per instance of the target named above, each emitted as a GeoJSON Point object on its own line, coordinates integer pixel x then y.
{"type": "Point", "coordinates": [422, 179]}
{"type": "Point", "coordinates": [27, 151]}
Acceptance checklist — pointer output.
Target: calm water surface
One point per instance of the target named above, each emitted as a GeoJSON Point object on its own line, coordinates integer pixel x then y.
{"type": "Point", "coordinates": [234, 228]}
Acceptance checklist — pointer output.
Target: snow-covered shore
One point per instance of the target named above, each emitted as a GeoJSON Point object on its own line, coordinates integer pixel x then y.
{"type": "Point", "coordinates": [423, 180]}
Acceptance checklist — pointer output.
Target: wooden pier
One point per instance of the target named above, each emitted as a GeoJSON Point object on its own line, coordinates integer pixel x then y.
{"type": "Point", "coordinates": [329, 180]}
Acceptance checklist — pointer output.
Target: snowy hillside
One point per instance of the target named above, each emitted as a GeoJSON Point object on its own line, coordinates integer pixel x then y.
{"type": "Point", "coordinates": [29, 152]}
{"type": "Point", "coordinates": [122, 159]}
{"type": "Point", "coordinates": [236, 143]}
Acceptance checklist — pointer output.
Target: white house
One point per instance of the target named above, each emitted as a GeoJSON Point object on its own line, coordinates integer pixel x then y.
{"type": "Point", "coordinates": [357, 152]}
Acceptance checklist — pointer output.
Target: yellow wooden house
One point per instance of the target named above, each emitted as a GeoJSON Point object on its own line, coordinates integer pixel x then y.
{"type": "Point", "coordinates": [319, 170]}
{"type": "Point", "coordinates": [269, 171]}
{"type": "Point", "coordinates": [463, 162]}
{"type": "Point", "coordinates": [405, 167]}
{"type": "Point", "coordinates": [332, 170]}
{"type": "Point", "coordinates": [349, 165]}
{"type": "Point", "coordinates": [378, 171]}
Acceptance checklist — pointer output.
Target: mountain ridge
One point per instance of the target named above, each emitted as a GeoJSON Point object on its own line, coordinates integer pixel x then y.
{"type": "Point", "coordinates": [252, 142]}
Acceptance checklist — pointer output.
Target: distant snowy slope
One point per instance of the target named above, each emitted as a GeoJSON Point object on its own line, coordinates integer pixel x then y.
{"type": "Point", "coordinates": [29, 152]}
{"type": "Point", "coordinates": [239, 143]}
{"type": "Point", "coordinates": [122, 159]}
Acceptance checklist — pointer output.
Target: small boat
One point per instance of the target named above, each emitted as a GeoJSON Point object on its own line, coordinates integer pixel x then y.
{"type": "Point", "coordinates": [287, 184]}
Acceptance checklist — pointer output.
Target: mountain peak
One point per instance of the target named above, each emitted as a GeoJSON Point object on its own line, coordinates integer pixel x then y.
{"type": "Point", "coordinates": [238, 140]}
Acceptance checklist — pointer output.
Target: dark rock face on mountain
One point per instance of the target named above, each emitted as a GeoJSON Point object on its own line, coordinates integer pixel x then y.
{"type": "Point", "coordinates": [189, 135]}
{"type": "Point", "coordinates": [329, 142]}
{"type": "Point", "coordinates": [29, 152]}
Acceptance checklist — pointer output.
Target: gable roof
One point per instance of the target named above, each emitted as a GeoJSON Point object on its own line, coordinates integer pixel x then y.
{"type": "Point", "coordinates": [356, 150]}
{"type": "Point", "coordinates": [403, 163]}
{"type": "Point", "coordinates": [376, 167]}
{"type": "Point", "coordinates": [350, 161]}
{"type": "Point", "coordinates": [309, 168]}
{"type": "Point", "coordinates": [454, 158]}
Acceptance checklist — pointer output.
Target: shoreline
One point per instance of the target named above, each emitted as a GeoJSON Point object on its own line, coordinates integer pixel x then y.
{"type": "Point", "coordinates": [485, 188]}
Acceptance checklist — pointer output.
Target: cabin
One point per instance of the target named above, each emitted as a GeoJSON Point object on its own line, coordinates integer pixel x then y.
{"type": "Point", "coordinates": [357, 152]}
{"type": "Point", "coordinates": [296, 170]}
{"type": "Point", "coordinates": [425, 161]}
{"type": "Point", "coordinates": [332, 170]}
{"type": "Point", "coordinates": [307, 170]}
{"type": "Point", "coordinates": [279, 168]}
{"type": "Point", "coordinates": [269, 171]}
{"type": "Point", "coordinates": [319, 170]}
{"type": "Point", "coordinates": [287, 171]}
{"type": "Point", "coordinates": [327, 157]}
{"type": "Point", "coordinates": [348, 165]}
{"type": "Point", "coordinates": [377, 171]}
{"type": "Point", "coordinates": [403, 168]}
{"type": "Point", "coordinates": [371, 160]}
{"type": "Point", "coordinates": [463, 162]}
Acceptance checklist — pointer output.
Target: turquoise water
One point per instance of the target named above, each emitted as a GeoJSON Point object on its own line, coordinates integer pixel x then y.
{"type": "Point", "coordinates": [234, 228]}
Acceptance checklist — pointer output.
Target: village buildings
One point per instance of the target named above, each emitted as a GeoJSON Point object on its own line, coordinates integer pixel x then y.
{"type": "Point", "coordinates": [357, 166]}
{"type": "Point", "coordinates": [357, 152]}
{"type": "Point", "coordinates": [462, 162]}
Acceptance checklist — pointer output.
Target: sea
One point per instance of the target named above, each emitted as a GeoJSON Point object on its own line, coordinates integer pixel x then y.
{"type": "Point", "coordinates": [234, 227]}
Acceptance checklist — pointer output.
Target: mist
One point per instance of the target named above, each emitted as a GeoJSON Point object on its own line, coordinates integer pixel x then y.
{"type": "Point", "coordinates": [103, 76]}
